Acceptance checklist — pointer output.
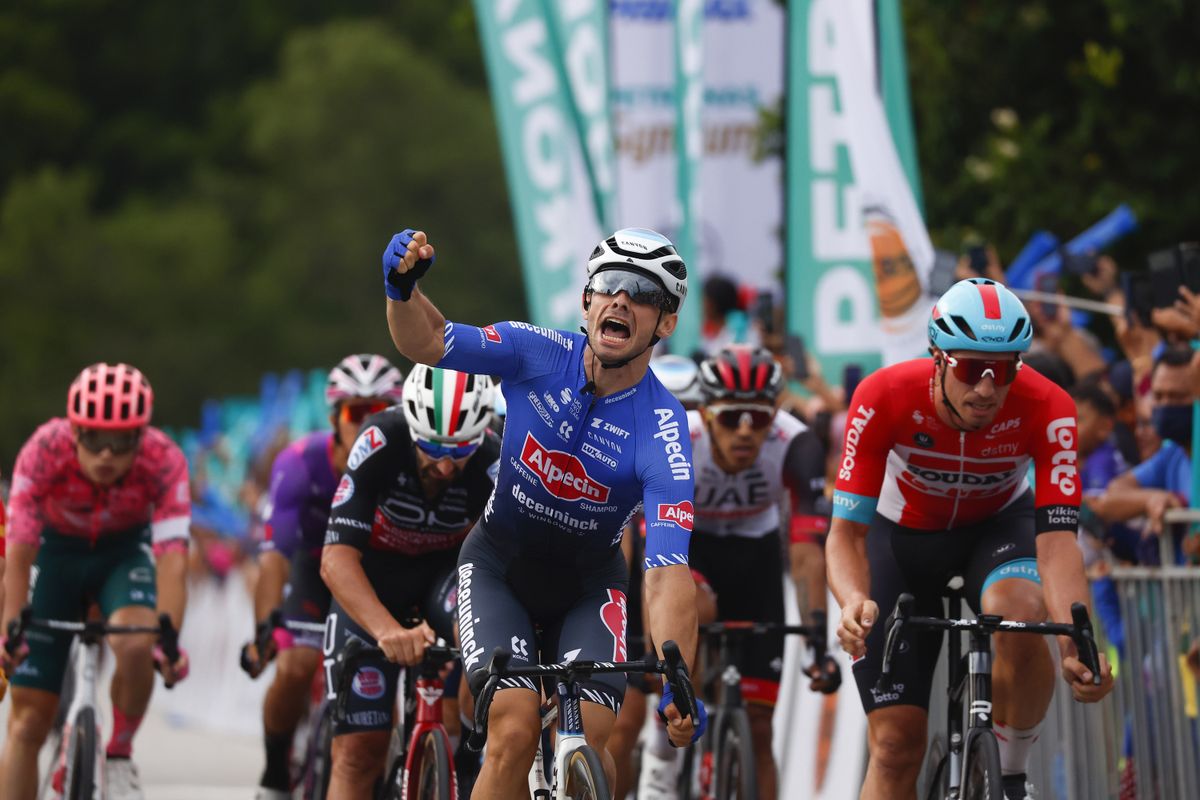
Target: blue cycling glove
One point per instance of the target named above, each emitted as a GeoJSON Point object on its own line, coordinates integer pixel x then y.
{"type": "Point", "coordinates": [700, 718]}
{"type": "Point", "coordinates": [397, 286]}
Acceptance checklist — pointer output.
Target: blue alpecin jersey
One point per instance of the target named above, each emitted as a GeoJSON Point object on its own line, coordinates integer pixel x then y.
{"type": "Point", "coordinates": [575, 468]}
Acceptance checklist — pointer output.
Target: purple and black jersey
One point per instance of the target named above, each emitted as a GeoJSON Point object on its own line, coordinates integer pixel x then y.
{"type": "Point", "coordinates": [574, 468]}
{"type": "Point", "coordinates": [302, 486]}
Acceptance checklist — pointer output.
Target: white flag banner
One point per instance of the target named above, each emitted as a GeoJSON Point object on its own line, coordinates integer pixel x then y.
{"type": "Point", "coordinates": [739, 233]}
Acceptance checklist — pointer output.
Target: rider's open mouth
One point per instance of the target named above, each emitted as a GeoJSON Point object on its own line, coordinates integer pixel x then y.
{"type": "Point", "coordinates": [614, 330]}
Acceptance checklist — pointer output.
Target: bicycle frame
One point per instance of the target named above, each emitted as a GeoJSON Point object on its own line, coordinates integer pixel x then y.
{"type": "Point", "coordinates": [429, 692]}
{"type": "Point", "coordinates": [86, 670]}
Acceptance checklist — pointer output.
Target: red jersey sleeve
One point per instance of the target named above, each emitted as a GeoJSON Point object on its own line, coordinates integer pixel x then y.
{"type": "Point", "coordinates": [171, 520]}
{"type": "Point", "coordinates": [1055, 463]}
{"type": "Point", "coordinates": [25, 519]}
{"type": "Point", "coordinates": [865, 449]}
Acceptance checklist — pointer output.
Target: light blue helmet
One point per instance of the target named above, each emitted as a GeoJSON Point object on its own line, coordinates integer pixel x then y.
{"type": "Point", "coordinates": [980, 314]}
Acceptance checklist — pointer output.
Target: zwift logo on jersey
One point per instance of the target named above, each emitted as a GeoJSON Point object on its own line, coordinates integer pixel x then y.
{"type": "Point", "coordinates": [853, 435]}
{"type": "Point", "coordinates": [680, 513]}
{"type": "Point", "coordinates": [561, 474]}
{"type": "Point", "coordinates": [1062, 474]}
{"type": "Point", "coordinates": [368, 443]}
{"type": "Point", "coordinates": [668, 433]}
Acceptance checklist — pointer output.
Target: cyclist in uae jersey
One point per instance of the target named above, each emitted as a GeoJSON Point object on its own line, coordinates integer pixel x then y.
{"type": "Point", "coordinates": [100, 510]}
{"type": "Point", "coordinates": [589, 436]}
{"type": "Point", "coordinates": [932, 485]}
{"type": "Point", "coordinates": [418, 478]}
{"type": "Point", "coordinates": [303, 479]}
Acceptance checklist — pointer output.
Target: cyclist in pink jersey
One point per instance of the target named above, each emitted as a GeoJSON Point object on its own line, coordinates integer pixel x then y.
{"type": "Point", "coordinates": [933, 484]}
{"type": "Point", "coordinates": [100, 511]}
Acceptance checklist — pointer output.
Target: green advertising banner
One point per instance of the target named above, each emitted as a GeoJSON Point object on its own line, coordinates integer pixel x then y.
{"type": "Point", "coordinates": [856, 244]}
{"type": "Point", "coordinates": [544, 161]}
{"type": "Point", "coordinates": [689, 150]}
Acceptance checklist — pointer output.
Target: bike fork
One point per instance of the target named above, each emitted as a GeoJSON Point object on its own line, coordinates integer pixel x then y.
{"type": "Point", "coordinates": [86, 667]}
{"type": "Point", "coordinates": [539, 785]}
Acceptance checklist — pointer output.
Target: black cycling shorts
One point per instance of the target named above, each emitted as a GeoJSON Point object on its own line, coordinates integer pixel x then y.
{"type": "Point", "coordinates": [542, 611]}
{"type": "Point", "coordinates": [305, 597]}
{"type": "Point", "coordinates": [747, 577]}
{"type": "Point", "coordinates": [402, 583]}
{"type": "Point", "coordinates": [922, 563]}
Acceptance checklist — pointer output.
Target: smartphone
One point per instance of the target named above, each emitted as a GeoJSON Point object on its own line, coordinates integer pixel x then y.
{"type": "Point", "coordinates": [1078, 263]}
{"type": "Point", "coordinates": [1139, 298]}
{"type": "Point", "coordinates": [1048, 282]}
{"type": "Point", "coordinates": [851, 376]}
{"type": "Point", "coordinates": [764, 311]}
{"type": "Point", "coordinates": [1165, 277]}
{"type": "Point", "coordinates": [977, 259]}
{"type": "Point", "coordinates": [1189, 265]}
{"type": "Point", "coordinates": [793, 345]}
{"type": "Point", "coordinates": [941, 275]}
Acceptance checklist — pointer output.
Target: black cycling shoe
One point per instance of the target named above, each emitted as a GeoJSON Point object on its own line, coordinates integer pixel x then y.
{"type": "Point", "coordinates": [1016, 787]}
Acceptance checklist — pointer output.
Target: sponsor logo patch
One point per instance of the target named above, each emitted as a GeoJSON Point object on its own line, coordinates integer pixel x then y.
{"type": "Point", "coordinates": [668, 434]}
{"type": "Point", "coordinates": [615, 615]}
{"type": "Point", "coordinates": [369, 683]}
{"type": "Point", "coordinates": [344, 491]}
{"type": "Point", "coordinates": [561, 474]}
{"type": "Point", "coordinates": [368, 443]}
{"type": "Point", "coordinates": [853, 436]}
{"type": "Point", "coordinates": [540, 409]}
{"type": "Point", "coordinates": [923, 439]}
{"type": "Point", "coordinates": [491, 333]}
{"type": "Point", "coordinates": [680, 513]}
{"type": "Point", "coordinates": [1062, 472]}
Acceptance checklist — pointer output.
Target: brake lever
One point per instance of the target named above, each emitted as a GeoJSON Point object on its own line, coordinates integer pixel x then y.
{"type": "Point", "coordinates": [1085, 641]}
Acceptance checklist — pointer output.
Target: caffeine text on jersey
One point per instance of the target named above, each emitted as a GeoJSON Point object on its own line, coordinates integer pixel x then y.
{"type": "Point", "coordinates": [49, 491]}
{"type": "Point", "coordinates": [901, 460]}
{"type": "Point", "coordinates": [574, 468]}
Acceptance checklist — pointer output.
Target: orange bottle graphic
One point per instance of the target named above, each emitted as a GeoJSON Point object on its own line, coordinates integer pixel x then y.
{"type": "Point", "coordinates": [896, 283]}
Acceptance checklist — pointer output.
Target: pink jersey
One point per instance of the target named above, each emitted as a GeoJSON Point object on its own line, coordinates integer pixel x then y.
{"type": "Point", "coordinates": [49, 490]}
{"type": "Point", "coordinates": [900, 459]}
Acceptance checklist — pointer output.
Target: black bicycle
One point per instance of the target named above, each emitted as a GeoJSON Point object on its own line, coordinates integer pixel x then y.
{"type": "Point", "coordinates": [722, 765]}
{"type": "Point", "coordinates": [575, 772]}
{"type": "Point", "coordinates": [420, 758]}
{"type": "Point", "coordinates": [969, 767]}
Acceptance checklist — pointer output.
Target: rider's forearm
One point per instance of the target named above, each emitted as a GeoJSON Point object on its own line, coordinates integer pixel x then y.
{"type": "Point", "coordinates": [1121, 504]}
{"type": "Point", "coordinates": [1060, 565]}
{"type": "Point", "coordinates": [171, 571]}
{"type": "Point", "coordinates": [671, 603]}
{"type": "Point", "coordinates": [341, 569]}
{"type": "Point", "coordinates": [273, 569]}
{"type": "Point", "coordinates": [417, 328]}
{"type": "Point", "coordinates": [808, 574]}
{"type": "Point", "coordinates": [847, 568]}
{"type": "Point", "coordinates": [16, 580]}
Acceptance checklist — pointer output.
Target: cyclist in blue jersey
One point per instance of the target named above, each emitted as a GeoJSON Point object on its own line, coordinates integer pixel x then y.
{"type": "Point", "coordinates": [591, 436]}
{"type": "Point", "coordinates": [304, 478]}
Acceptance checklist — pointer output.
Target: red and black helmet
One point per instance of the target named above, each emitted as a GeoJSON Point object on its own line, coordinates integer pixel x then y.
{"type": "Point", "coordinates": [741, 372]}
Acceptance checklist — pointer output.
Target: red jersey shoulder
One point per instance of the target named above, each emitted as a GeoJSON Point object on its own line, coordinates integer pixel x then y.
{"type": "Point", "coordinates": [49, 450]}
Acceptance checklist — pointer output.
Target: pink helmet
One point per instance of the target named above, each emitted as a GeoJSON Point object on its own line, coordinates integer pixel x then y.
{"type": "Point", "coordinates": [110, 396]}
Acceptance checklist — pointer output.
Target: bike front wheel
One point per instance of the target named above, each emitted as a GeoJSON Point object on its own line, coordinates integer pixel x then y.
{"type": "Point", "coordinates": [585, 779]}
{"type": "Point", "coordinates": [318, 758]}
{"type": "Point", "coordinates": [432, 775]}
{"type": "Point", "coordinates": [81, 757]}
{"type": "Point", "coordinates": [982, 779]}
{"type": "Point", "coordinates": [736, 779]}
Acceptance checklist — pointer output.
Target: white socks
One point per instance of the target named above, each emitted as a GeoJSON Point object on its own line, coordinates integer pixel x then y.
{"type": "Point", "coordinates": [1015, 745]}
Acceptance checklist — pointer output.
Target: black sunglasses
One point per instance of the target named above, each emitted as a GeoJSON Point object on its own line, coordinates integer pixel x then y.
{"type": "Point", "coordinates": [641, 289]}
{"type": "Point", "coordinates": [97, 440]}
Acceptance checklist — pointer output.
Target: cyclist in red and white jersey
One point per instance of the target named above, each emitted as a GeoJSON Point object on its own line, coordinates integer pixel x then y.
{"type": "Point", "coordinates": [100, 506]}
{"type": "Point", "coordinates": [932, 485]}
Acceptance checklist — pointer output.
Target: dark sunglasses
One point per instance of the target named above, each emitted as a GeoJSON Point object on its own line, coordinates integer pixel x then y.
{"type": "Point", "coordinates": [733, 417]}
{"type": "Point", "coordinates": [972, 370]}
{"type": "Point", "coordinates": [357, 412]}
{"type": "Point", "coordinates": [641, 289]}
{"type": "Point", "coordinates": [97, 440]}
{"type": "Point", "coordinates": [438, 451]}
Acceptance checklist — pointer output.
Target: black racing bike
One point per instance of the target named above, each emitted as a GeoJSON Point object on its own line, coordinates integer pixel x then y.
{"type": "Point", "coordinates": [965, 763]}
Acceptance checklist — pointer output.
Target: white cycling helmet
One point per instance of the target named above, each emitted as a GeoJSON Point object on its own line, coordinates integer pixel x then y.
{"type": "Point", "coordinates": [364, 375]}
{"type": "Point", "coordinates": [680, 376]}
{"type": "Point", "coordinates": [647, 252]}
{"type": "Point", "coordinates": [447, 407]}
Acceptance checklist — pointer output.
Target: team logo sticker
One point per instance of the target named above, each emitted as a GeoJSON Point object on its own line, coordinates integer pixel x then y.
{"type": "Point", "coordinates": [369, 683]}
{"type": "Point", "coordinates": [368, 443]}
{"type": "Point", "coordinates": [615, 616]}
{"type": "Point", "coordinates": [681, 514]}
{"type": "Point", "coordinates": [344, 491]}
{"type": "Point", "coordinates": [923, 439]}
{"type": "Point", "coordinates": [491, 333]}
{"type": "Point", "coordinates": [562, 474]}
